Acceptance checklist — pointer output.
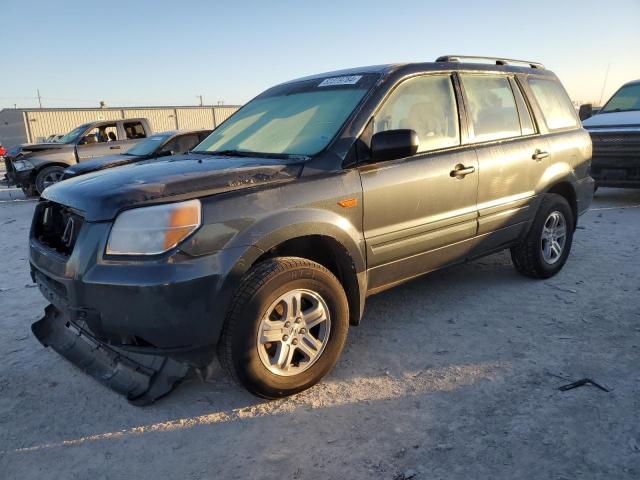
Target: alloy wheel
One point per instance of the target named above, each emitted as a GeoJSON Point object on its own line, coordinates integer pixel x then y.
{"type": "Point", "coordinates": [554, 237]}
{"type": "Point", "coordinates": [293, 332]}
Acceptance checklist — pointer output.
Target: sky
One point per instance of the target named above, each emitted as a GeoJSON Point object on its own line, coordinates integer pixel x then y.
{"type": "Point", "coordinates": [169, 52]}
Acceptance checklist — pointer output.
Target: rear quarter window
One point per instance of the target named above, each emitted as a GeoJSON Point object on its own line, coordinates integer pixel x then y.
{"type": "Point", "coordinates": [557, 109]}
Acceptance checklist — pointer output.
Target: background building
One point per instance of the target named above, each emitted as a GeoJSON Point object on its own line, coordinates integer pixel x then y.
{"type": "Point", "coordinates": [29, 125]}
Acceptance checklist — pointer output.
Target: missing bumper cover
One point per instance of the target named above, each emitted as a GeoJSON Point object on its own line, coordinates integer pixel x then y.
{"type": "Point", "coordinates": [141, 378]}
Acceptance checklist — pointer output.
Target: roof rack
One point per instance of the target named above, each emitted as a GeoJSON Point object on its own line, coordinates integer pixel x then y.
{"type": "Point", "coordinates": [498, 61]}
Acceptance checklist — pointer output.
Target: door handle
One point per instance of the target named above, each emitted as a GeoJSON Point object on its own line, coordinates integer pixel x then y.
{"type": "Point", "coordinates": [539, 155]}
{"type": "Point", "coordinates": [117, 147]}
{"type": "Point", "coordinates": [460, 171]}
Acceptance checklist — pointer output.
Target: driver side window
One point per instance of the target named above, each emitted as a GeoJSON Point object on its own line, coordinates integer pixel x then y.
{"type": "Point", "coordinates": [426, 105]}
{"type": "Point", "coordinates": [101, 134]}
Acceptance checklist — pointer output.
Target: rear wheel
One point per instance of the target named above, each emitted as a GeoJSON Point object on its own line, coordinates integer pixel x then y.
{"type": "Point", "coordinates": [48, 176]}
{"type": "Point", "coordinates": [285, 328]}
{"type": "Point", "coordinates": [545, 249]}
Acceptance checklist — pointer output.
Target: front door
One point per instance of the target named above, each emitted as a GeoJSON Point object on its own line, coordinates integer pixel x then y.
{"type": "Point", "coordinates": [100, 141]}
{"type": "Point", "coordinates": [420, 212]}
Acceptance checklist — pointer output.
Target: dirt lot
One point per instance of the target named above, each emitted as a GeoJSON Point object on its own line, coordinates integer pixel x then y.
{"type": "Point", "coordinates": [453, 376]}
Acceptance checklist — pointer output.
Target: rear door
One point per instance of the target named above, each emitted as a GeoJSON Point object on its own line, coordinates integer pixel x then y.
{"type": "Point", "coordinates": [418, 216]}
{"type": "Point", "coordinates": [512, 156]}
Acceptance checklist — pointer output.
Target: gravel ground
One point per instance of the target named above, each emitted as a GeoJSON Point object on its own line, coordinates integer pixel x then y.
{"type": "Point", "coordinates": [452, 376]}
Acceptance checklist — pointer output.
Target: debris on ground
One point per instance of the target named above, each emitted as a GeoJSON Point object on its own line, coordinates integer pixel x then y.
{"type": "Point", "coordinates": [580, 383]}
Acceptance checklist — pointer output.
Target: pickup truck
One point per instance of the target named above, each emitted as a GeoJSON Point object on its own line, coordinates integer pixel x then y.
{"type": "Point", "coordinates": [34, 167]}
{"type": "Point", "coordinates": [615, 133]}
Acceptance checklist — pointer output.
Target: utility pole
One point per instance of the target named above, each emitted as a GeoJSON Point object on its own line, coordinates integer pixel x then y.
{"type": "Point", "coordinates": [606, 76]}
{"type": "Point", "coordinates": [39, 98]}
{"type": "Point", "coordinates": [200, 97]}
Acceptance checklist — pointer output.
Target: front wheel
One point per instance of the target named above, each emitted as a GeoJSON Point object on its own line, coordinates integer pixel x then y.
{"type": "Point", "coordinates": [48, 176]}
{"type": "Point", "coordinates": [545, 249]}
{"type": "Point", "coordinates": [286, 327]}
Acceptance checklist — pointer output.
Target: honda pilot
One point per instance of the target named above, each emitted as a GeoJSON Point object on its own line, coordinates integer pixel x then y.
{"type": "Point", "coordinates": [263, 243]}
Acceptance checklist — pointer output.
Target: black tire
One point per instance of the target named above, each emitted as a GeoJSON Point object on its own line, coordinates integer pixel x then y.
{"type": "Point", "coordinates": [527, 256]}
{"type": "Point", "coordinates": [263, 285]}
{"type": "Point", "coordinates": [46, 175]}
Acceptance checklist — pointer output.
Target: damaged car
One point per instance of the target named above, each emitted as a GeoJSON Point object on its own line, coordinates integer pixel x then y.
{"type": "Point", "coordinates": [261, 245]}
{"type": "Point", "coordinates": [158, 145]}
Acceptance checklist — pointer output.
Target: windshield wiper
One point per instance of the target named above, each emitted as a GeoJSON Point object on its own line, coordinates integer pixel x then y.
{"type": "Point", "coordinates": [244, 153]}
{"type": "Point", "coordinates": [232, 153]}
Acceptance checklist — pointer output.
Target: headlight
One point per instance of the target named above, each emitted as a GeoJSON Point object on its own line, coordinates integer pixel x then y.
{"type": "Point", "coordinates": [21, 165]}
{"type": "Point", "coordinates": [153, 230]}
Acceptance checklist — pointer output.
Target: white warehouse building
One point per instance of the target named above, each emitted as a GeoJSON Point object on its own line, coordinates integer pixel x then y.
{"type": "Point", "coordinates": [30, 125]}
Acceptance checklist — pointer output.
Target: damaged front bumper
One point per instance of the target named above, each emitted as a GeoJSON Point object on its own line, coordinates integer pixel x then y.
{"type": "Point", "coordinates": [142, 378]}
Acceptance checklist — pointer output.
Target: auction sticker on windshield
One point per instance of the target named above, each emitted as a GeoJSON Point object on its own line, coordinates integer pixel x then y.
{"type": "Point", "coordinates": [348, 80]}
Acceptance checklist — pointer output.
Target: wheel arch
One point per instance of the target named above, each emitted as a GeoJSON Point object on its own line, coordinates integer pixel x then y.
{"type": "Point", "coordinates": [331, 254]}
{"type": "Point", "coordinates": [565, 189]}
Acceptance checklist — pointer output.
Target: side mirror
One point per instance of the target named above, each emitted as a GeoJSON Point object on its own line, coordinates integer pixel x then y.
{"type": "Point", "coordinates": [585, 111]}
{"type": "Point", "coordinates": [165, 153]}
{"type": "Point", "coordinates": [393, 144]}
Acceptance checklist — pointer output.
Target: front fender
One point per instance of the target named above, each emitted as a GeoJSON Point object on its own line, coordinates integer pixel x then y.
{"type": "Point", "coordinates": [64, 159]}
{"type": "Point", "coordinates": [273, 230]}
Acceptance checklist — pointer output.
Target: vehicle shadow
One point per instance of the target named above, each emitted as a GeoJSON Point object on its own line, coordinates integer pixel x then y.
{"type": "Point", "coordinates": [616, 197]}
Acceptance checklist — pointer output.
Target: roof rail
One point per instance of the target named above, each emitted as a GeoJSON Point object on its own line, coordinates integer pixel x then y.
{"type": "Point", "coordinates": [498, 61]}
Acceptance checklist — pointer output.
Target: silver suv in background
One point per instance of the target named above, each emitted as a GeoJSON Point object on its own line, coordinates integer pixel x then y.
{"type": "Point", "coordinates": [34, 167]}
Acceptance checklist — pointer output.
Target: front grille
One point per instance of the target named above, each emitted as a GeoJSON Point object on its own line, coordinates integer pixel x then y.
{"type": "Point", "coordinates": [57, 226]}
{"type": "Point", "coordinates": [618, 144]}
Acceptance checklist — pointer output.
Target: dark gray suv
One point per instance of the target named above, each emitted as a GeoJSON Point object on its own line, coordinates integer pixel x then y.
{"type": "Point", "coordinates": [263, 243]}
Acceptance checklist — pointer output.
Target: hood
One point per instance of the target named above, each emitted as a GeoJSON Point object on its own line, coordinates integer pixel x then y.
{"type": "Point", "coordinates": [29, 148]}
{"type": "Point", "coordinates": [101, 163]}
{"type": "Point", "coordinates": [102, 194]}
{"type": "Point", "coordinates": [613, 119]}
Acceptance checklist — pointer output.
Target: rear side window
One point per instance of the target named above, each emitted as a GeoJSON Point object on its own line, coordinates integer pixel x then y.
{"type": "Point", "coordinates": [134, 130]}
{"type": "Point", "coordinates": [556, 107]}
{"type": "Point", "coordinates": [492, 108]}
{"type": "Point", "coordinates": [424, 104]}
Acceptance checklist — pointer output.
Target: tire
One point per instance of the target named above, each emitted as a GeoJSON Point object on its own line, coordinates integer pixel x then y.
{"type": "Point", "coordinates": [246, 344]}
{"type": "Point", "coordinates": [530, 257]}
{"type": "Point", "coordinates": [48, 176]}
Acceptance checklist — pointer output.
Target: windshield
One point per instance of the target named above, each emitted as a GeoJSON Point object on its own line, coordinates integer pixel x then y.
{"type": "Point", "coordinates": [73, 135]}
{"type": "Point", "coordinates": [147, 146]}
{"type": "Point", "coordinates": [625, 100]}
{"type": "Point", "coordinates": [300, 118]}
